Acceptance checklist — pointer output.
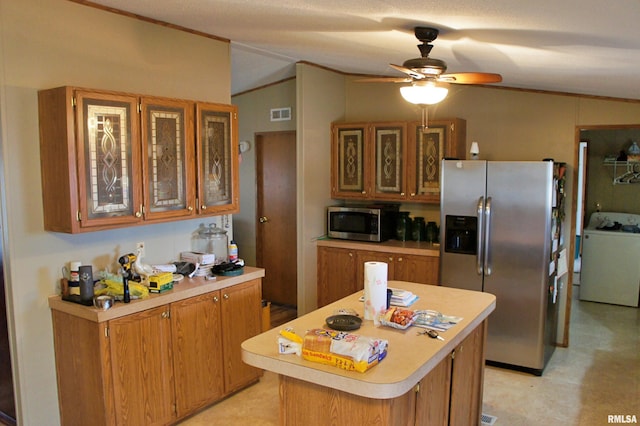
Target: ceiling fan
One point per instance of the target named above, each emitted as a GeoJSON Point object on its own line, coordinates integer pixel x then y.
{"type": "Point", "coordinates": [426, 76]}
{"type": "Point", "coordinates": [424, 73]}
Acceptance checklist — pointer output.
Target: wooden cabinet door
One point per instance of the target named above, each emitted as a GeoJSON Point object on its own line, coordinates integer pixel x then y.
{"type": "Point", "coordinates": [108, 159]}
{"type": "Point", "coordinates": [467, 379]}
{"type": "Point", "coordinates": [83, 368]}
{"type": "Point", "coordinates": [363, 256]}
{"type": "Point", "coordinates": [433, 397]}
{"type": "Point", "coordinates": [217, 159]}
{"type": "Point", "coordinates": [142, 368]}
{"type": "Point", "coordinates": [350, 161]}
{"type": "Point", "coordinates": [427, 148]}
{"type": "Point", "coordinates": [241, 319]}
{"type": "Point", "coordinates": [197, 352]}
{"type": "Point", "coordinates": [389, 168]}
{"type": "Point", "coordinates": [168, 154]}
{"type": "Point", "coordinates": [336, 274]}
{"type": "Point", "coordinates": [417, 269]}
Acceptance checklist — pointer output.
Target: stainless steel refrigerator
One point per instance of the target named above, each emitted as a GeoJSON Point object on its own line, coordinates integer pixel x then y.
{"type": "Point", "coordinates": [497, 236]}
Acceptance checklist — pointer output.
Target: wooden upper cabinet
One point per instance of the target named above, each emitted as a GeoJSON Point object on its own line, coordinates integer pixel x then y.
{"type": "Point", "coordinates": [111, 159]}
{"type": "Point", "coordinates": [109, 153]}
{"type": "Point", "coordinates": [89, 155]}
{"type": "Point", "coordinates": [393, 161]}
{"type": "Point", "coordinates": [389, 146]}
{"type": "Point", "coordinates": [217, 151]}
{"type": "Point", "coordinates": [168, 151]}
{"type": "Point", "coordinates": [427, 148]}
{"type": "Point", "coordinates": [351, 161]}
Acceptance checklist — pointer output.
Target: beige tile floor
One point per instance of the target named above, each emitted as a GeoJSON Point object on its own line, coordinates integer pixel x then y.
{"type": "Point", "coordinates": [596, 376]}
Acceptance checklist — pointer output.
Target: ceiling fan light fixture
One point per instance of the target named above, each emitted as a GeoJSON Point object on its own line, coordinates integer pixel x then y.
{"type": "Point", "coordinates": [424, 93]}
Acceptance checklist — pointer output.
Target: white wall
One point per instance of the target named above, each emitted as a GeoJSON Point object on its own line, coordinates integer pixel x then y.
{"type": "Point", "coordinates": [254, 117]}
{"type": "Point", "coordinates": [51, 43]}
{"type": "Point", "coordinates": [321, 100]}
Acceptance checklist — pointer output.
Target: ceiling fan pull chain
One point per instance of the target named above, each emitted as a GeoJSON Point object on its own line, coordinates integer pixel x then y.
{"type": "Point", "coordinates": [425, 118]}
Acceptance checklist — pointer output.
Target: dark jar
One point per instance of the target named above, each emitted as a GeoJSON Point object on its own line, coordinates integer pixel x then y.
{"type": "Point", "coordinates": [432, 232]}
{"type": "Point", "coordinates": [418, 233]}
{"type": "Point", "coordinates": [403, 227]}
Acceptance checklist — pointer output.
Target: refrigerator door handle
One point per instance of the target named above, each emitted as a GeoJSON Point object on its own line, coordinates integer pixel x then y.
{"type": "Point", "coordinates": [487, 237]}
{"type": "Point", "coordinates": [479, 249]}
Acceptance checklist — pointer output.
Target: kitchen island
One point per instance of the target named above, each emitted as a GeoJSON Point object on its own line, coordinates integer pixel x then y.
{"type": "Point", "coordinates": [421, 381]}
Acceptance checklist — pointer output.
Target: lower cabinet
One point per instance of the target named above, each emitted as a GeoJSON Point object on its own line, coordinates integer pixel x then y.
{"type": "Point", "coordinates": [336, 274]}
{"type": "Point", "coordinates": [142, 368]}
{"type": "Point", "coordinates": [451, 394]}
{"type": "Point", "coordinates": [341, 270]}
{"type": "Point", "coordinates": [156, 366]}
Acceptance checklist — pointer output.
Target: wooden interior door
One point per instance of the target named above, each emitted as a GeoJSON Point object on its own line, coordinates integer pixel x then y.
{"type": "Point", "coordinates": [276, 210]}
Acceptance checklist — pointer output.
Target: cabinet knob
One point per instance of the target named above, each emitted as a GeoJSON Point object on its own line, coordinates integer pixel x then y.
{"type": "Point", "coordinates": [390, 258]}
{"type": "Point", "coordinates": [263, 219]}
{"type": "Point", "coordinates": [138, 214]}
{"type": "Point", "coordinates": [413, 194]}
{"type": "Point", "coordinates": [215, 299]}
{"type": "Point", "coordinates": [364, 192]}
{"type": "Point", "coordinates": [203, 207]}
{"type": "Point", "coordinates": [190, 208]}
{"type": "Point", "coordinates": [350, 254]}
{"type": "Point", "coordinates": [399, 259]}
{"type": "Point", "coordinates": [166, 314]}
{"type": "Point", "coordinates": [225, 296]}
{"type": "Point", "coordinates": [402, 194]}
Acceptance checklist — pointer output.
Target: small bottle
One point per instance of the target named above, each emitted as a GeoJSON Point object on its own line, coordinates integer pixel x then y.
{"type": "Point", "coordinates": [74, 277]}
{"type": "Point", "coordinates": [233, 251]}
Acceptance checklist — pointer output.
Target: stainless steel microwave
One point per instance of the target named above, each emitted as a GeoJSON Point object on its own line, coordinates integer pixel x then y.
{"type": "Point", "coordinates": [362, 223]}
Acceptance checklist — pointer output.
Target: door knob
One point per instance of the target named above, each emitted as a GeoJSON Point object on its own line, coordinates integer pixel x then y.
{"type": "Point", "coordinates": [263, 219]}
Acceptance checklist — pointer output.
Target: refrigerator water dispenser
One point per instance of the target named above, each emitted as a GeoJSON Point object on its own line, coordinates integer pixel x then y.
{"type": "Point", "coordinates": [460, 234]}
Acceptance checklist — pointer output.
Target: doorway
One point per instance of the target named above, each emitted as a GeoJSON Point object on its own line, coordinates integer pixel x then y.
{"type": "Point", "coordinates": [276, 235]}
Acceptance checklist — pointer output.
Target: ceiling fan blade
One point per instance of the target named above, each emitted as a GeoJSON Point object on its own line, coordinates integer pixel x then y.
{"type": "Point", "coordinates": [470, 78]}
{"type": "Point", "coordinates": [408, 71]}
{"type": "Point", "coordinates": [384, 80]}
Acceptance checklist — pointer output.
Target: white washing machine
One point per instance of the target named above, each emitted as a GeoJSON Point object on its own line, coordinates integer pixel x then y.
{"type": "Point", "coordinates": [610, 271]}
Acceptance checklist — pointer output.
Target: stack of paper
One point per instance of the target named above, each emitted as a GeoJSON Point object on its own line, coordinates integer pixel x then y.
{"type": "Point", "coordinates": [402, 298]}
{"type": "Point", "coordinates": [399, 297]}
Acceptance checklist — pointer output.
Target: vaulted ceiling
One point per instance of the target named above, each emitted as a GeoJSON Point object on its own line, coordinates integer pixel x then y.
{"type": "Point", "coordinates": [574, 46]}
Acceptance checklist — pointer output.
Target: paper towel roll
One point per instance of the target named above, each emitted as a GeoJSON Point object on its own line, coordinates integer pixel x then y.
{"type": "Point", "coordinates": [375, 290]}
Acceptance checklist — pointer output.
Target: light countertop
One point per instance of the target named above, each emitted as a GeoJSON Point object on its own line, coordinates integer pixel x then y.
{"type": "Point", "coordinates": [421, 248]}
{"type": "Point", "coordinates": [410, 356]}
{"type": "Point", "coordinates": [183, 289]}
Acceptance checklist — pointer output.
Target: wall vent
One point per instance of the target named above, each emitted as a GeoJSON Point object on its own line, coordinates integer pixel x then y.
{"type": "Point", "coordinates": [281, 114]}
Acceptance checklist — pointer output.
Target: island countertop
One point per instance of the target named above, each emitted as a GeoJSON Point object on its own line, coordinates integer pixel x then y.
{"type": "Point", "coordinates": [410, 356]}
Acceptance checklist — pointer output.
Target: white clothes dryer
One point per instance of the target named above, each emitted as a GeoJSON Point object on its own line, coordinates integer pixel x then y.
{"type": "Point", "coordinates": [610, 271]}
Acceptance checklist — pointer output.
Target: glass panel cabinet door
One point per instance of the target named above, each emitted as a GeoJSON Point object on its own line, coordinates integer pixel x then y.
{"type": "Point", "coordinates": [168, 149]}
{"type": "Point", "coordinates": [390, 146]}
{"type": "Point", "coordinates": [108, 158]}
{"type": "Point", "coordinates": [427, 151]}
{"type": "Point", "coordinates": [350, 153]}
{"type": "Point", "coordinates": [217, 151]}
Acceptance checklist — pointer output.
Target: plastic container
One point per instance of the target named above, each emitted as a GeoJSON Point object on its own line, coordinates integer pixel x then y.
{"type": "Point", "coordinates": [233, 251]}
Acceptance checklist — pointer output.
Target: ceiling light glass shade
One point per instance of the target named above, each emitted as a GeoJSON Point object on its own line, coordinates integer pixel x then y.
{"type": "Point", "coordinates": [424, 93]}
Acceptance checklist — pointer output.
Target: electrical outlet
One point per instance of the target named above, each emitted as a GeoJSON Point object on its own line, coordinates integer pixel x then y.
{"type": "Point", "coordinates": [140, 249]}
